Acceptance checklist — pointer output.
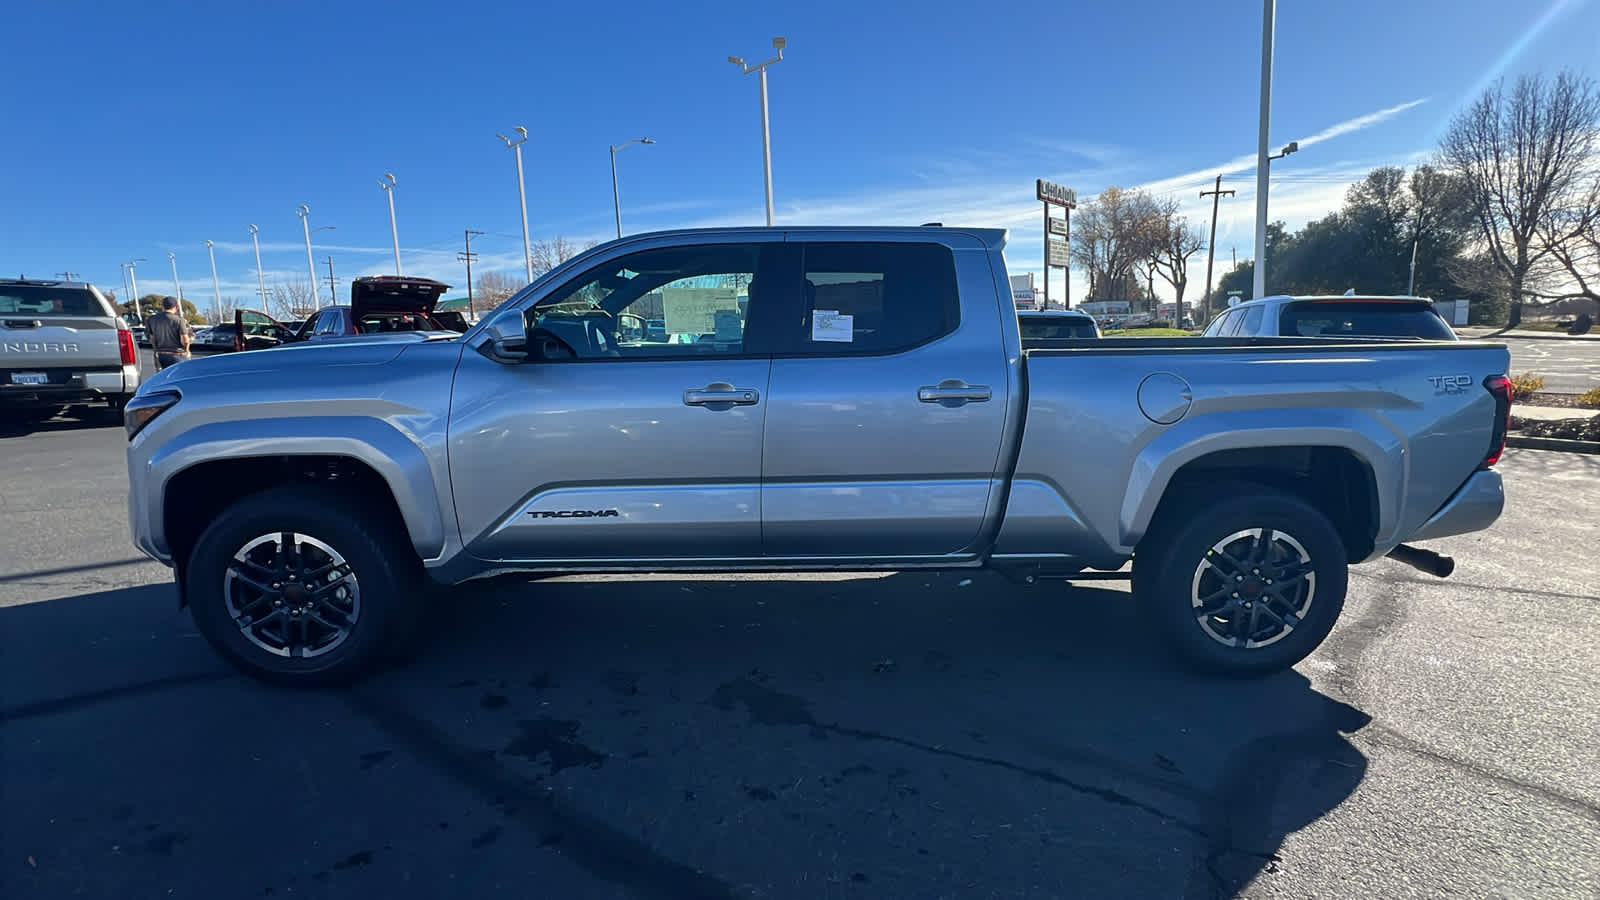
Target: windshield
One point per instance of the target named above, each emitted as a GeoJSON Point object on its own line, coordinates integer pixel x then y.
{"type": "Point", "coordinates": [1369, 318]}
{"type": "Point", "coordinates": [47, 300]}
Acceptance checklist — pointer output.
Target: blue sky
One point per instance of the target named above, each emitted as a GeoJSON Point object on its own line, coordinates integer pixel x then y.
{"type": "Point", "coordinates": [140, 129]}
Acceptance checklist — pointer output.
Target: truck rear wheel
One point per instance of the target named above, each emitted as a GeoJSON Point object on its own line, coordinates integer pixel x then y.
{"type": "Point", "coordinates": [1247, 581]}
{"type": "Point", "coordinates": [292, 587]}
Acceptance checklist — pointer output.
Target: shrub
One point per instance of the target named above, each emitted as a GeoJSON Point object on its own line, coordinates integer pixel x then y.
{"type": "Point", "coordinates": [1526, 385]}
{"type": "Point", "coordinates": [1590, 399]}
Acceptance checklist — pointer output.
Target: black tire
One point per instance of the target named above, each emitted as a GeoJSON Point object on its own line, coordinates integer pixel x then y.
{"type": "Point", "coordinates": [1183, 580]}
{"type": "Point", "coordinates": [387, 600]}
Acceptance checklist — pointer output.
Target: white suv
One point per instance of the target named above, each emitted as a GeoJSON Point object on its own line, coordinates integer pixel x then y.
{"type": "Point", "coordinates": [1342, 316]}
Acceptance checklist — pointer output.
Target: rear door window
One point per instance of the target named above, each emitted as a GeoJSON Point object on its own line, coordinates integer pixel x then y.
{"type": "Point", "coordinates": [1252, 322]}
{"type": "Point", "coordinates": [864, 298]}
{"type": "Point", "coordinates": [1357, 318]}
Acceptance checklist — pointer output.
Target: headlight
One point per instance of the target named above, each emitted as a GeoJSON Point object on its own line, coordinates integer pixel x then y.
{"type": "Point", "coordinates": [143, 409]}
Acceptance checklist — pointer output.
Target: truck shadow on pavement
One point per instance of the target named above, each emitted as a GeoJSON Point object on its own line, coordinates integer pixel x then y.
{"type": "Point", "coordinates": [72, 420]}
{"type": "Point", "coordinates": [917, 734]}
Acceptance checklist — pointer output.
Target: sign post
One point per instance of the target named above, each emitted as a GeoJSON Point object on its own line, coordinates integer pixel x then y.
{"type": "Point", "coordinates": [1056, 252]}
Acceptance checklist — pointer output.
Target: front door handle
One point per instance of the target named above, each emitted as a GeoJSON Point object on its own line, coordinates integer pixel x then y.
{"type": "Point", "coordinates": [721, 395]}
{"type": "Point", "coordinates": [954, 392]}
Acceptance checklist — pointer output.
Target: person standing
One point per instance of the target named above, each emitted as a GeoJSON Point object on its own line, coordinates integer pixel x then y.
{"type": "Point", "coordinates": [169, 334]}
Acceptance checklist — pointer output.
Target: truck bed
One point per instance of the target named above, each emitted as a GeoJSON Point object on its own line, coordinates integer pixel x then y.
{"type": "Point", "coordinates": [1413, 413]}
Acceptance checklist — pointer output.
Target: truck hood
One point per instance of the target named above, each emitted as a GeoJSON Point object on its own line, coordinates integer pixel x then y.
{"type": "Point", "coordinates": [394, 294]}
{"type": "Point", "coordinates": [360, 350]}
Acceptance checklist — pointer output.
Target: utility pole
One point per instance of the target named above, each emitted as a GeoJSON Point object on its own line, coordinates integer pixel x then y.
{"type": "Point", "coordinates": [1411, 285]}
{"type": "Point", "coordinates": [1211, 246]}
{"type": "Point", "coordinates": [69, 276]}
{"type": "Point", "coordinates": [467, 257]}
{"type": "Point", "coordinates": [333, 284]}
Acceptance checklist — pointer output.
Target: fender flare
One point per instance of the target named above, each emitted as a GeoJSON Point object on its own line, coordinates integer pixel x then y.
{"type": "Point", "coordinates": [395, 456]}
{"type": "Point", "coordinates": [1375, 444]}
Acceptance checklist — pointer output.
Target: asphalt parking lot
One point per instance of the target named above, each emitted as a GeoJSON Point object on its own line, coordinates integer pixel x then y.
{"type": "Point", "coordinates": [904, 735]}
{"type": "Point", "coordinates": [1568, 366]}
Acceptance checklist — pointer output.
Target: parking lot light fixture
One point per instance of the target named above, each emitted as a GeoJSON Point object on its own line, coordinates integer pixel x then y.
{"type": "Point", "coordinates": [133, 282]}
{"type": "Point", "coordinates": [387, 183]}
{"type": "Point", "coordinates": [522, 196]}
{"type": "Point", "coordinates": [261, 281]}
{"type": "Point", "coordinates": [304, 212]}
{"type": "Point", "coordinates": [216, 288]}
{"type": "Point", "coordinates": [177, 289]}
{"type": "Point", "coordinates": [778, 44]}
{"type": "Point", "coordinates": [616, 199]}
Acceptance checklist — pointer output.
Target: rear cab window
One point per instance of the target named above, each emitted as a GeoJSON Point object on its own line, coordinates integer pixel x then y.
{"type": "Point", "coordinates": [46, 300]}
{"type": "Point", "coordinates": [1363, 318]}
{"type": "Point", "coordinates": [870, 298]}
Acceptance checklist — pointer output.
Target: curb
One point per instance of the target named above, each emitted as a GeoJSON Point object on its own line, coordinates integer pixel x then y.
{"type": "Point", "coordinates": [1566, 445]}
{"type": "Point", "coordinates": [1531, 336]}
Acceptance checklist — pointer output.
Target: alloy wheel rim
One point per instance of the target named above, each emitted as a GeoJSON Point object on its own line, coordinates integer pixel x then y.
{"type": "Point", "coordinates": [1253, 588]}
{"type": "Point", "coordinates": [292, 595]}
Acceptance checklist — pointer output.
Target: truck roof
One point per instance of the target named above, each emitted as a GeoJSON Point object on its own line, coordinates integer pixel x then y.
{"type": "Point", "coordinates": [991, 237]}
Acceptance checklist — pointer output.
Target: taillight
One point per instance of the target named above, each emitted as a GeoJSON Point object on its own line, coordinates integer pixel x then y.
{"type": "Point", "coordinates": [130, 352]}
{"type": "Point", "coordinates": [1500, 387]}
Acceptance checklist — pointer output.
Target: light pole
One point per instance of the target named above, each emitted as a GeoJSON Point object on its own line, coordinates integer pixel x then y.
{"type": "Point", "coordinates": [304, 212]}
{"type": "Point", "coordinates": [176, 287]}
{"type": "Point", "coordinates": [616, 199]}
{"type": "Point", "coordinates": [133, 282]}
{"type": "Point", "coordinates": [1268, 9]}
{"type": "Point", "coordinates": [778, 44]}
{"type": "Point", "coordinates": [387, 183]}
{"type": "Point", "coordinates": [216, 289]}
{"type": "Point", "coordinates": [522, 196]}
{"type": "Point", "coordinates": [1261, 217]}
{"type": "Point", "coordinates": [261, 281]}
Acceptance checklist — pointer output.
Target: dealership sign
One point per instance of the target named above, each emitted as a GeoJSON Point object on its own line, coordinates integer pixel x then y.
{"type": "Point", "coordinates": [1055, 193]}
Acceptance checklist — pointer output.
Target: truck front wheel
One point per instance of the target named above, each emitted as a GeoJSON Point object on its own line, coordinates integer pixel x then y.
{"type": "Point", "coordinates": [1247, 581]}
{"type": "Point", "coordinates": [294, 586]}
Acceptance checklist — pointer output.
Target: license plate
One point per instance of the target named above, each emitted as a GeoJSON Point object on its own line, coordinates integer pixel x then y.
{"type": "Point", "coordinates": [29, 378]}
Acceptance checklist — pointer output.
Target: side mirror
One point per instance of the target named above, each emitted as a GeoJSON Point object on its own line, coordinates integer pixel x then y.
{"type": "Point", "coordinates": [506, 338]}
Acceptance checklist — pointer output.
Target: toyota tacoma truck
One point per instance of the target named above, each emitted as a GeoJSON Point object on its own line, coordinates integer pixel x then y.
{"type": "Point", "coordinates": [813, 399]}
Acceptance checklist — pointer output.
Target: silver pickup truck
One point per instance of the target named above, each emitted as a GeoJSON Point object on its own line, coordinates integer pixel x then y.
{"type": "Point", "coordinates": [62, 344]}
{"type": "Point", "coordinates": [800, 399]}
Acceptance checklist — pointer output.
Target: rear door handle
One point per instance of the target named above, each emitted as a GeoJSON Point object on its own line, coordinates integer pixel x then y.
{"type": "Point", "coordinates": [721, 395]}
{"type": "Point", "coordinates": [954, 392]}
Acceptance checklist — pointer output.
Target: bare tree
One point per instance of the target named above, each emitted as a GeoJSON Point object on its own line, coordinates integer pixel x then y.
{"type": "Point", "coordinates": [290, 299]}
{"type": "Point", "coordinates": [550, 253]}
{"type": "Point", "coordinates": [494, 287]}
{"type": "Point", "coordinates": [1524, 155]}
{"type": "Point", "coordinates": [1172, 240]}
{"type": "Point", "coordinates": [1572, 232]}
{"type": "Point", "coordinates": [1113, 237]}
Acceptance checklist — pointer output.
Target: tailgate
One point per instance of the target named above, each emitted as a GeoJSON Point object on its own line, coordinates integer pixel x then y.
{"type": "Point", "coordinates": [31, 343]}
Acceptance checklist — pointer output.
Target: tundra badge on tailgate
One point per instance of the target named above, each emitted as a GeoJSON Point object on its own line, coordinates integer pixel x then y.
{"type": "Point", "coordinates": [1450, 384]}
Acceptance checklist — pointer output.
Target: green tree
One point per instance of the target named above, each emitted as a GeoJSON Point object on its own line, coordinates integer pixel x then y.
{"type": "Point", "coordinates": [150, 304]}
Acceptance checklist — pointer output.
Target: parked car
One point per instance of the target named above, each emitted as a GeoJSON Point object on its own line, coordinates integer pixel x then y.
{"type": "Point", "coordinates": [216, 339]}
{"type": "Point", "coordinates": [1342, 316]}
{"type": "Point", "coordinates": [62, 344]}
{"type": "Point", "coordinates": [854, 398]}
{"type": "Point", "coordinates": [379, 304]}
{"type": "Point", "coordinates": [1056, 324]}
